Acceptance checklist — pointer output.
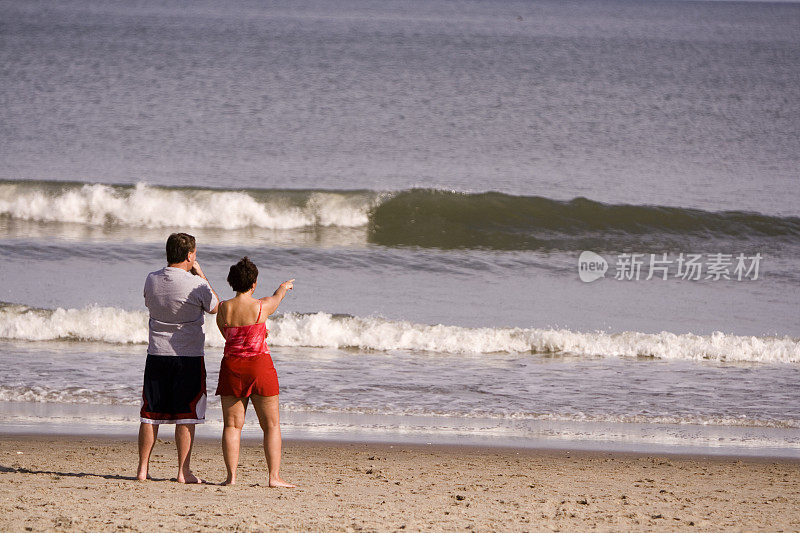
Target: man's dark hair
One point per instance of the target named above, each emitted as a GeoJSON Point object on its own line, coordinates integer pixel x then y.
{"type": "Point", "coordinates": [242, 275]}
{"type": "Point", "coordinates": [178, 247]}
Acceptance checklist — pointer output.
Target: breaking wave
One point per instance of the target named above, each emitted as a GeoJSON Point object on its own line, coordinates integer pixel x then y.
{"type": "Point", "coordinates": [417, 217]}
{"type": "Point", "coordinates": [118, 326]}
{"type": "Point", "coordinates": [148, 206]}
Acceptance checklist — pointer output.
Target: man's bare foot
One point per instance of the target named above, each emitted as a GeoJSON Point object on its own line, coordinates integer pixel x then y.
{"type": "Point", "coordinates": [278, 482]}
{"type": "Point", "coordinates": [189, 478]}
{"type": "Point", "coordinates": [228, 481]}
{"type": "Point", "coordinates": [143, 476]}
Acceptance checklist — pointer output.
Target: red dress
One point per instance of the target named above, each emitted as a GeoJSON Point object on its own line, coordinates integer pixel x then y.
{"type": "Point", "coordinates": [247, 367]}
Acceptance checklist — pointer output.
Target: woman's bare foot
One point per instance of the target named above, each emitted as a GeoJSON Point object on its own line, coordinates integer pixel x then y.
{"type": "Point", "coordinates": [229, 481]}
{"type": "Point", "coordinates": [189, 478]}
{"type": "Point", "coordinates": [278, 482]}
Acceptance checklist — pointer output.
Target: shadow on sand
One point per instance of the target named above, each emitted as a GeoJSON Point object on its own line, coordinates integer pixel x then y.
{"type": "Point", "coordinates": [9, 470]}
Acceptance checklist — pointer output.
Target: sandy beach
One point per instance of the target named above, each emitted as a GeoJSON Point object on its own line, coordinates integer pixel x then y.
{"type": "Point", "coordinates": [84, 483]}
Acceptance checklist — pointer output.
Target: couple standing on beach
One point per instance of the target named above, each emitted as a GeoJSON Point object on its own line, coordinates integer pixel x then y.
{"type": "Point", "coordinates": [174, 390]}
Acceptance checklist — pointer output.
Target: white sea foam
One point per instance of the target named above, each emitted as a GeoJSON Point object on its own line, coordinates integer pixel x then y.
{"type": "Point", "coordinates": [113, 325]}
{"type": "Point", "coordinates": [129, 396]}
{"type": "Point", "coordinates": [157, 207]}
{"type": "Point", "coordinates": [82, 395]}
{"type": "Point", "coordinates": [92, 323]}
{"type": "Point", "coordinates": [325, 330]}
{"type": "Point", "coordinates": [522, 416]}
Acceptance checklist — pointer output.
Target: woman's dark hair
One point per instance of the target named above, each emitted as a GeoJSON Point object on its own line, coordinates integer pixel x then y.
{"type": "Point", "coordinates": [242, 275]}
{"type": "Point", "coordinates": [179, 245]}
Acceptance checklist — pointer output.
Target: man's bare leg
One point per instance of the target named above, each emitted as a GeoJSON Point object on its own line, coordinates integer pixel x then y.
{"type": "Point", "coordinates": [184, 438]}
{"type": "Point", "coordinates": [147, 439]}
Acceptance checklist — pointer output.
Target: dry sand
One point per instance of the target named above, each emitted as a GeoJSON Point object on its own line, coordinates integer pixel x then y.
{"type": "Point", "coordinates": [51, 483]}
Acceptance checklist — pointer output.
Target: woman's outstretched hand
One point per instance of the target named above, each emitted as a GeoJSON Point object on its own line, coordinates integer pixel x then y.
{"type": "Point", "coordinates": [280, 293]}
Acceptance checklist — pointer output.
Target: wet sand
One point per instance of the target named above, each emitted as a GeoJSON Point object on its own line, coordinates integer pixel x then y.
{"type": "Point", "coordinates": [84, 483]}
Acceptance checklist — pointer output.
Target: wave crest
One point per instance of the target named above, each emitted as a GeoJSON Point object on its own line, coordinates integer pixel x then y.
{"type": "Point", "coordinates": [448, 219]}
{"type": "Point", "coordinates": [113, 325]}
{"type": "Point", "coordinates": [417, 217]}
{"type": "Point", "coordinates": [158, 207]}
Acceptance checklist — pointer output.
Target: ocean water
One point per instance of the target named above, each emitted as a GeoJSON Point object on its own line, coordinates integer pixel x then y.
{"type": "Point", "coordinates": [430, 173]}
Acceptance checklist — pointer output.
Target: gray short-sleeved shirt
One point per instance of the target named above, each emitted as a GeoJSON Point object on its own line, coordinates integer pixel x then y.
{"type": "Point", "coordinates": [177, 300]}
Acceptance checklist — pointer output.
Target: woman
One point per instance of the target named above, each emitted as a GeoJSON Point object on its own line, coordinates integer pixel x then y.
{"type": "Point", "coordinates": [247, 372]}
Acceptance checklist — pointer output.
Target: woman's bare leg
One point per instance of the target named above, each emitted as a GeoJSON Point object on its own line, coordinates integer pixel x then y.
{"type": "Point", "coordinates": [233, 411]}
{"type": "Point", "coordinates": [147, 439]}
{"type": "Point", "coordinates": [267, 410]}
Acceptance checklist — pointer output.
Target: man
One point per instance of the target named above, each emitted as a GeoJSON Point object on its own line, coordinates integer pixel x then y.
{"type": "Point", "coordinates": [174, 389]}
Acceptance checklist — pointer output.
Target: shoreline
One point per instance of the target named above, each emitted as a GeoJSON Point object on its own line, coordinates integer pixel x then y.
{"type": "Point", "coordinates": [472, 448]}
{"type": "Point", "coordinates": [88, 420]}
{"type": "Point", "coordinates": [53, 483]}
